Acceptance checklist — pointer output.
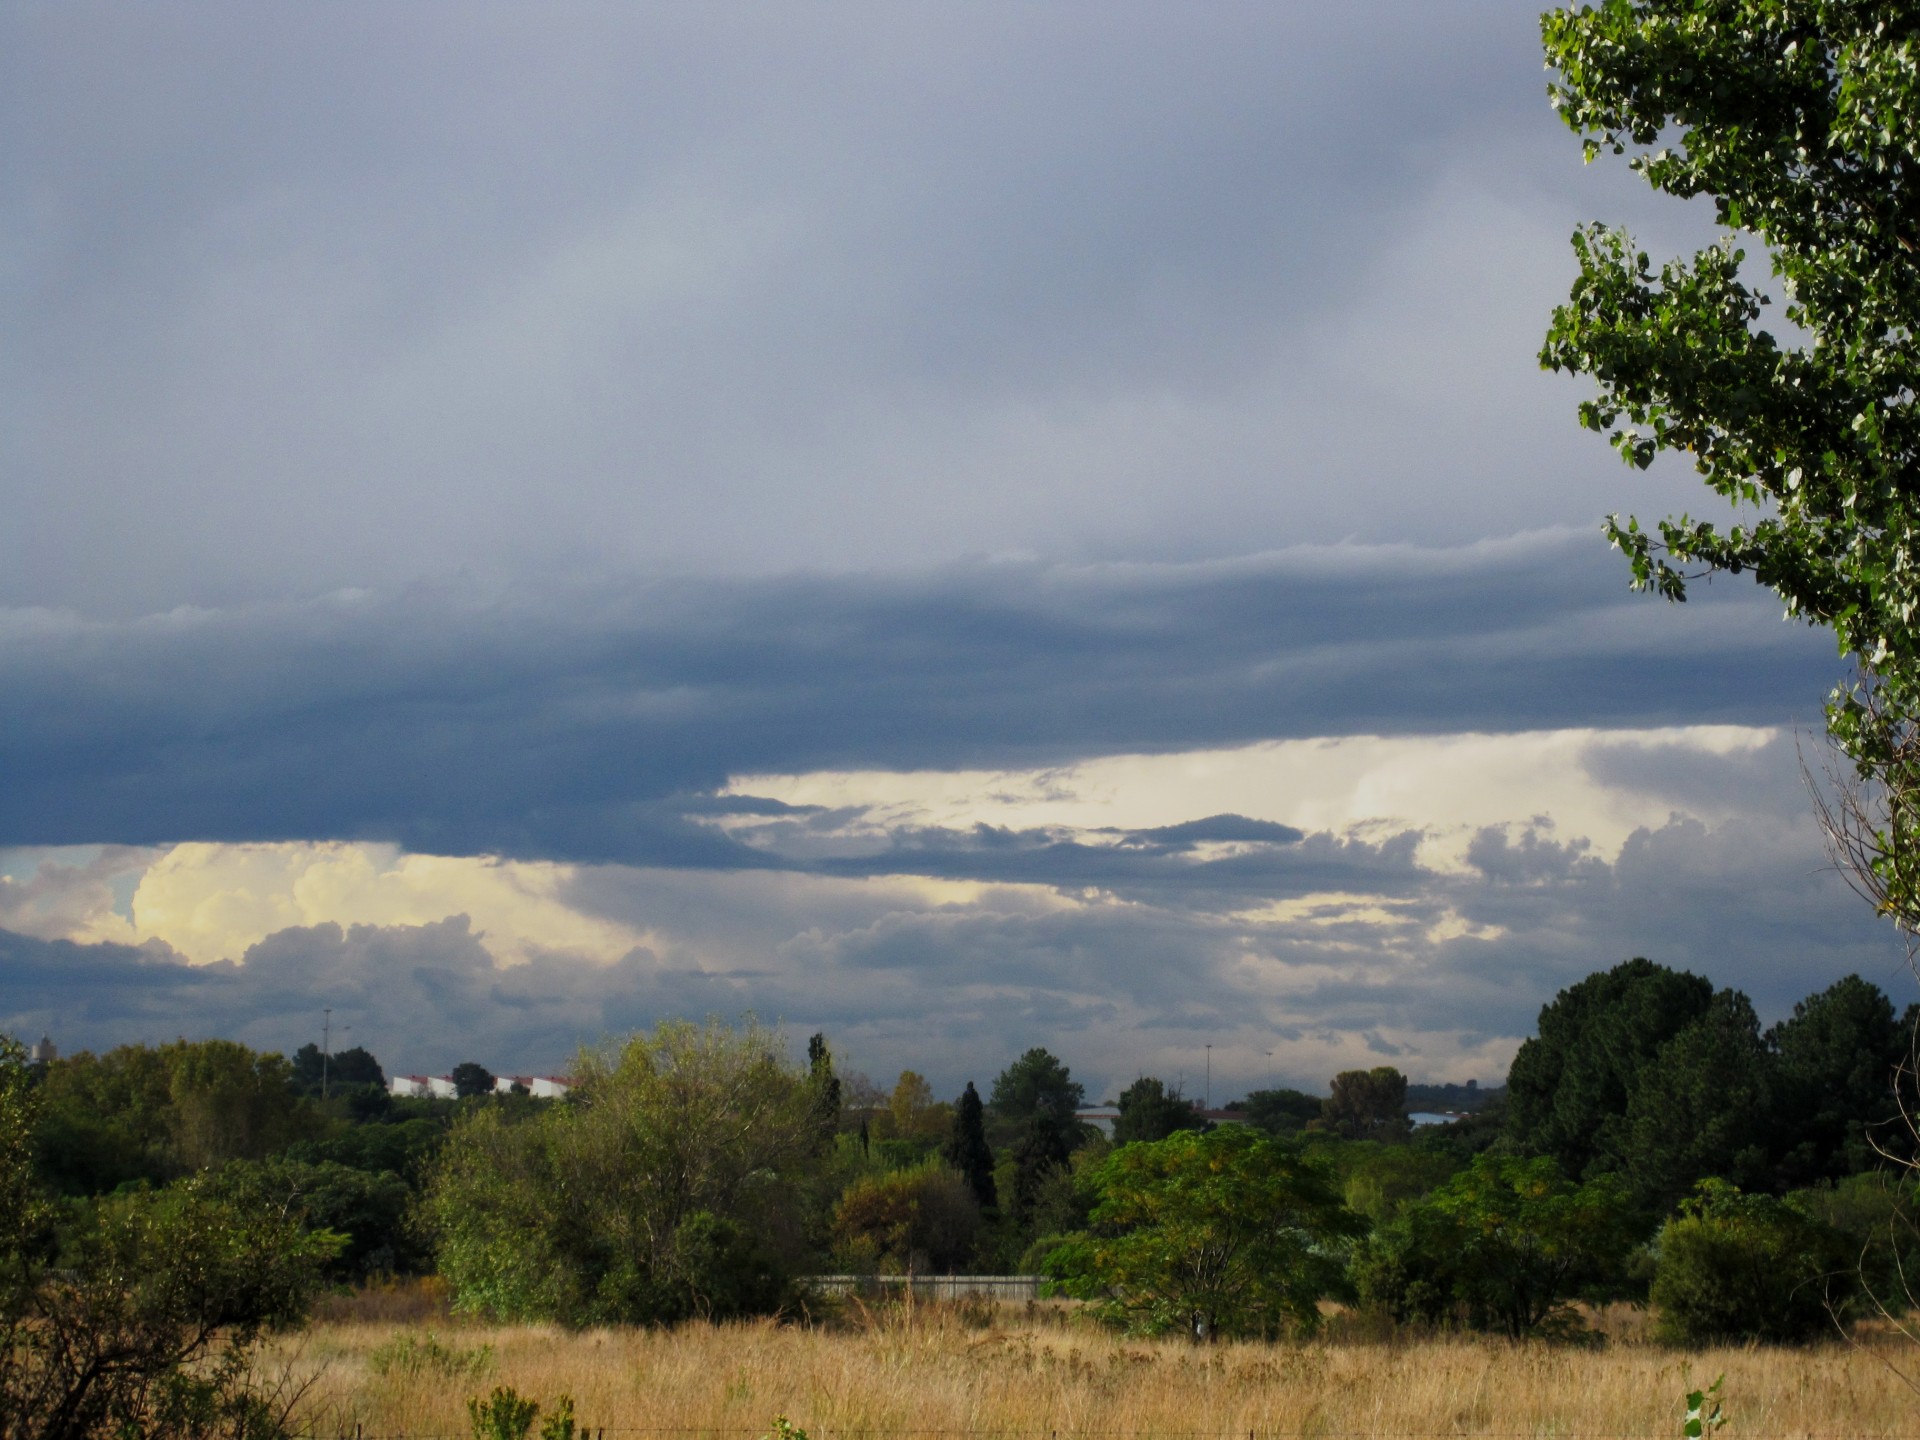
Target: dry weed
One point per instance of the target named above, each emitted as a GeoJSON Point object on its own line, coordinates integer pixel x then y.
{"type": "Point", "coordinates": [932, 1371]}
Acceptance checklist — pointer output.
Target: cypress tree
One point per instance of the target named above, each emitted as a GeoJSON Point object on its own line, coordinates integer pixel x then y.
{"type": "Point", "coordinates": [967, 1149]}
{"type": "Point", "coordinates": [826, 1086]}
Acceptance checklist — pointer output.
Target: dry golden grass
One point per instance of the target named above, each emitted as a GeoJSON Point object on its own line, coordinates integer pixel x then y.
{"type": "Point", "coordinates": [946, 1371]}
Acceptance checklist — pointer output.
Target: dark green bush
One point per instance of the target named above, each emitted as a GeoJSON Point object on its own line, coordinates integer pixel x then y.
{"type": "Point", "coordinates": [1736, 1267]}
{"type": "Point", "coordinates": [1504, 1245]}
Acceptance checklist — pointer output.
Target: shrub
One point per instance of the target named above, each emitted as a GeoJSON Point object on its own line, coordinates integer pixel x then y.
{"type": "Point", "coordinates": [671, 1185]}
{"type": "Point", "coordinates": [1225, 1233]}
{"type": "Point", "coordinates": [1880, 1217]}
{"type": "Point", "coordinates": [1736, 1267]}
{"type": "Point", "coordinates": [1505, 1245]}
{"type": "Point", "coordinates": [922, 1220]}
{"type": "Point", "coordinates": [503, 1415]}
{"type": "Point", "coordinates": [408, 1357]}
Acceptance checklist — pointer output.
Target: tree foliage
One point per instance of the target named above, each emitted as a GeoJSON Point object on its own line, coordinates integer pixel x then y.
{"type": "Point", "coordinates": [1505, 1245]}
{"type": "Point", "coordinates": [667, 1185]}
{"type": "Point", "coordinates": [1736, 1267]}
{"type": "Point", "coordinates": [920, 1221]}
{"type": "Point", "coordinates": [1703, 1107]}
{"type": "Point", "coordinates": [1801, 123]}
{"type": "Point", "coordinates": [355, 1067]}
{"type": "Point", "coordinates": [967, 1150]}
{"type": "Point", "coordinates": [1280, 1112]}
{"type": "Point", "coordinates": [1569, 1086]}
{"type": "Point", "coordinates": [471, 1080]}
{"type": "Point", "coordinates": [1838, 1056]}
{"type": "Point", "coordinates": [1226, 1233]}
{"type": "Point", "coordinates": [1038, 1084]}
{"type": "Point", "coordinates": [147, 1320]}
{"type": "Point", "coordinates": [1150, 1111]}
{"type": "Point", "coordinates": [1368, 1104]}
{"type": "Point", "coordinates": [153, 1113]}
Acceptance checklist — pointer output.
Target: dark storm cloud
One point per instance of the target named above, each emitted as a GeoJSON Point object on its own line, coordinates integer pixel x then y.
{"type": "Point", "coordinates": [586, 723]}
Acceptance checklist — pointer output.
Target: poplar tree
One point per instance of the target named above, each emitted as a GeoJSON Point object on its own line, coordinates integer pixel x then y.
{"type": "Point", "coordinates": [1801, 124]}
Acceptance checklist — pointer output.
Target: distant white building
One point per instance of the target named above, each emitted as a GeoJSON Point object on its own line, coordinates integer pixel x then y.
{"type": "Point", "coordinates": [45, 1053]}
{"type": "Point", "coordinates": [441, 1087]}
{"type": "Point", "coordinates": [421, 1087]}
{"type": "Point", "coordinates": [541, 1087]}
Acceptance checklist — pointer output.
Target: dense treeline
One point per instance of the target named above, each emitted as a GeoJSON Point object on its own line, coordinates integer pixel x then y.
{"type": "Point", "coordinates": [1652, 1142]}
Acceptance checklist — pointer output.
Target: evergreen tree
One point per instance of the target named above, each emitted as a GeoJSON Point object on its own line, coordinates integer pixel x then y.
{"type": "Point", "coordinates": [1837, 1055]}
{"type": "Point", "coordinates": [1568, 1089]}
{"type": "Point", "coordinates": [1038, 1084]}
{"type": "Point", "coordinates": [826, 1085]}
{"type": "Point", "coordinates": [1703, 1108]}
{"type": "Point", "coordinates": [967, 1150]}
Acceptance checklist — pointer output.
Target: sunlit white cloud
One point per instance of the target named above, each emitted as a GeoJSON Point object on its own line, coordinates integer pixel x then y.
{"type": "Point", "coordinates": [1448, 787]}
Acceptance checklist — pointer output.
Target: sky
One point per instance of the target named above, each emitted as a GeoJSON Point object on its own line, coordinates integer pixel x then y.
{"type": "Point", "coordinates": [960, 527]}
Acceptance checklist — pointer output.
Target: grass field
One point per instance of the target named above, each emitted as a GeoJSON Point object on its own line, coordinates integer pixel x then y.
{"type": "Point", "coordinates": [1015, 1370]}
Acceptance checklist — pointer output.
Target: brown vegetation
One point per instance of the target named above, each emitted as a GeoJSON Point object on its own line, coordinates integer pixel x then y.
{"type": "Point", "coordinates": [1037, 1371]}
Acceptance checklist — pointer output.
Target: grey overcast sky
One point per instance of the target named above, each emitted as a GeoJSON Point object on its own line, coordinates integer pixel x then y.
{"type": "Point", "coordinates": [485, 483]}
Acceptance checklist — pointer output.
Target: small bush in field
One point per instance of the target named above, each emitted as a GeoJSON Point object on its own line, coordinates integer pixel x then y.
{"type": "Point", "coordinates": [410, 1356]}
{"type": "Point", "coordinates": [560, 1424]}
{"type": "Point", "coordinates": [1703, 1411]}
{"type": "Point", "coordinates": [1736, 1267]}
{"type": "Point", "coordinates": [503, 1415]}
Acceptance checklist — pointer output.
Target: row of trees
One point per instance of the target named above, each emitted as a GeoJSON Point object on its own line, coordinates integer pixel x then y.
{"type": "Point", "coordinates": [696, 1171]}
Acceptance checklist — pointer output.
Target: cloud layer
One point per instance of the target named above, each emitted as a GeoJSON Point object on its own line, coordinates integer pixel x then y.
{"type": "Point", "coordinates": [351, 296]}
{"type": "Point", "coordinates": [951, 947]}
{"type": "Point", "coordinates": [588, 722]}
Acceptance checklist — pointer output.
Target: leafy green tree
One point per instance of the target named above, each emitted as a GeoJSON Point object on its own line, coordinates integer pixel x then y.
{"type": "Point", "coordinates": [230, 1103]}
{"type": "Point", "coordinates": [102, 1120]}
{"type": "Point", "coordinates": [1703, 1108]}
{"type": "Point", "coordinates": [1505, 1245]}
{"type": "Point", "coordinates": [1368, 1104]}
{"type": "Point", "coordinates": [471, 1080]}
{"type": "Point", "coordinates": [153, 1113]}
{"type": "Point", "coordinates": [670, 1185]}
{"type": "Point", "coordinates": [370, 1211]}
{"type": "Point", "coordinates": [1281, 1112]}
{"type": "Point", "coordinates": [1221, 1234]}
{"type": "Point", "coordinates": [1837, 1056]}
{"type": "Point", "coordinates": [1379, 1180]}
{"type": "Point", "coordinates": [1739, 1268]}
{"type": "Point", "coordinates": [403, 1147]}
{"type": "Point", "coordinates": [1149, 1111]}
{"type": "Point", "coordinates": [149, 1323]}
{"type": "Point", "coordinates": [967, 1150]}
{"type": "Point", "coordinates": [1038, 1084]}
{"type": "Point", "coordinates": [1569, 1085]}
{"type": "Point", "coordinates": [1802, 124]}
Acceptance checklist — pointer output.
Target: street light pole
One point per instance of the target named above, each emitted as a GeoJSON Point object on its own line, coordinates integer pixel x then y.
{"type": "Point", "coordinates": [1209, 1077]}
